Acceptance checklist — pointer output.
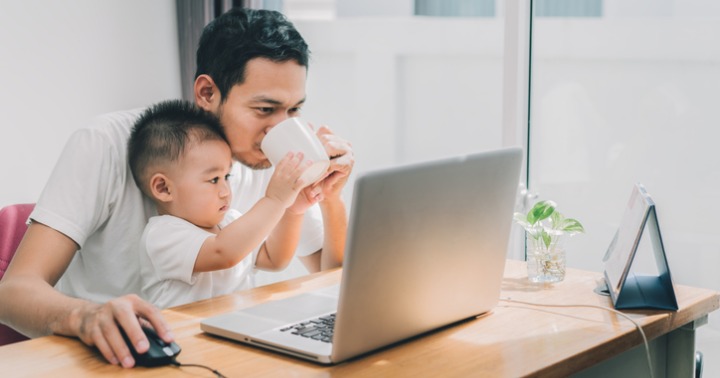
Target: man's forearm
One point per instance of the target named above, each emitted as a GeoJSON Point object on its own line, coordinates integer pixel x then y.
{"type": "Point", "coordinates": [37, 309]}
{"type": "Point", "coordinates": [30, 303]}
{"type": "Point", "coordinates": [282, 242]}
{"type": "Point", "coordinates": [34, 308]}
{"type": "Point", "coordinates": [335, 233]}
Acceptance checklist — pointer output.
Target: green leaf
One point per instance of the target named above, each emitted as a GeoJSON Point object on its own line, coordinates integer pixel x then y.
{"type": "Point", "coordinates": [546, 238]}
{"type": "Point", "coordinates": [540, 211]}
{"type": "Point", "coordinates": [557, 219]}
{"type": "Point", "coordinates": [572, 225]}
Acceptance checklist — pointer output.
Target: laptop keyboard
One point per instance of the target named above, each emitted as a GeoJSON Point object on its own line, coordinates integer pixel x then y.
{"type": "Point", "coordinates": [320, 328]}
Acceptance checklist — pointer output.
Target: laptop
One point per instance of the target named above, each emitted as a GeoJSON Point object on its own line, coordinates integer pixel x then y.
{"type": "Point", "coordinates": [426, 248]}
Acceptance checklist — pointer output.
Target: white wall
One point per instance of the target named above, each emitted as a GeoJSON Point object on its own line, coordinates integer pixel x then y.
{"type": "Point", "coordinates": [64, 62]}
{"type": "Point", "coordinates": [407, 89]}
{"type": "Point", "coordinates": [374, 8]}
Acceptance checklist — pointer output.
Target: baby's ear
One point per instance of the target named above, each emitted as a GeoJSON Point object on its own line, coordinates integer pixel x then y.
{"type": "Point", "coordinates": [161, 187]}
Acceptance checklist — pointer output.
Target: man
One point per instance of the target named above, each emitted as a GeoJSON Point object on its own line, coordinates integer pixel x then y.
{"type": "Point", "coordinates": [76, 271]}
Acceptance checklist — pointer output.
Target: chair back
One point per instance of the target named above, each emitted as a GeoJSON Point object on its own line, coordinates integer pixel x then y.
{"type": "Point", "coordinates": [13, 225]}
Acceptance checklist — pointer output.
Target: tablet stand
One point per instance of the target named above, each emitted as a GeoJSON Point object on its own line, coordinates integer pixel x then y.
{"type": "Point", "coordinates": [628, 290]}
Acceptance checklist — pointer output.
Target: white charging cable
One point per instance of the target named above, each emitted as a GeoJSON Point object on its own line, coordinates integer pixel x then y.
{"type": "Point", "coordinates": [637, 325]}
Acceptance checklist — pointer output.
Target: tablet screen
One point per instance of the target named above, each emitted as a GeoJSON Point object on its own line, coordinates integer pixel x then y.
{"type": "Point", "coordinates": [623, 247]}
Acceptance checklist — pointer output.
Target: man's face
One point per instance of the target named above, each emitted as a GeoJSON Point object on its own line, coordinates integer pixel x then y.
{"type": "Point", "coordinates": [271, 93]}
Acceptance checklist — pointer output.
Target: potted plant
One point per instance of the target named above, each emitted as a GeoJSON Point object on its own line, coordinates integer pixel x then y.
{"type": "Point", "coordinates": [546, 229]}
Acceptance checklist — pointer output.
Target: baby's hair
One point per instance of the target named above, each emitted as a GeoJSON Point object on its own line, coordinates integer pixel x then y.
{"type": "Point", "coordinates": [162, 133]}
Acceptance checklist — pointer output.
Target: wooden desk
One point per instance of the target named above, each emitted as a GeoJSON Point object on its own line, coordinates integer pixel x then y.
{"type": "Point", "coordinates": [511, 341]}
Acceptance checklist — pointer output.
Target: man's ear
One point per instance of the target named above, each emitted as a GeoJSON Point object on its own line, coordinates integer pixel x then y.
{"type": "Point", "coordinates": [207, 94]}
{"type": "Point", "coordinates": [161, 187]}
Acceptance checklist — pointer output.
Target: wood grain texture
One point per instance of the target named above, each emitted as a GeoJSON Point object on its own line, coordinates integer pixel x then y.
{"type": "Point", "coordinates": [512, 340]}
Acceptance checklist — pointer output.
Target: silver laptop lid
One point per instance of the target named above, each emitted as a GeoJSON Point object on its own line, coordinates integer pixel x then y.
{"type": "Point", "coordinates": [426, 247]}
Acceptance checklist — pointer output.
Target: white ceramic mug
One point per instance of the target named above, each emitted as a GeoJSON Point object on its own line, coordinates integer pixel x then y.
{"type": "Point", "coordinates": [294, 135]}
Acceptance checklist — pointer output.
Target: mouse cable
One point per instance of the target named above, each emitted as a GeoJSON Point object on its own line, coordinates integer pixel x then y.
{"type": "Point", "coordinates": [637, 325]}
{"type": "Point", "coordinates": [217, 373]}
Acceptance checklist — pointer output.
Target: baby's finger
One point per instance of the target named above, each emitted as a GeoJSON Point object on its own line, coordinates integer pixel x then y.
{"type": "Point", "coordinates": [299, 182]}
{"type": "Point", "coordinates": [289, 162]}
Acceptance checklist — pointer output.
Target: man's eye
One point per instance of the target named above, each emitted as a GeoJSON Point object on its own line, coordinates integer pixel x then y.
{"type": "Point", "coordinates": [266, 110]}
{"type": "Point", "coordinates": [295, 111]}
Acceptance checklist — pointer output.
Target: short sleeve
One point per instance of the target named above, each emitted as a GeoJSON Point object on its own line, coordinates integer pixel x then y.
{"type": "Point", "coordinates": [172, 247]}
{"type": "Point", "coordinates": [81, 191]}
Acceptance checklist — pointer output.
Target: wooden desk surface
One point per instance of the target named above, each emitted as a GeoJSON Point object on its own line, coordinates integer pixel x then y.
{"type": "Point", "coordinates": [511, 341]}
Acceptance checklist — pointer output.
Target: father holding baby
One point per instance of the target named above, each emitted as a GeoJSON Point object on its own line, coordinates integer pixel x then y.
{"type": "Point", "coordinates": [76, 272]}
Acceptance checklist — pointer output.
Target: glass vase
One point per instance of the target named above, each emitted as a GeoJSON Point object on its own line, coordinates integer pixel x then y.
{"type": "Point", "coordinates": [546, 264]}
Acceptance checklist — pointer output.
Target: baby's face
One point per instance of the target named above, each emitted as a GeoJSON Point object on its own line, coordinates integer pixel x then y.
{"type": "Point", "coordinates": [202, 192]}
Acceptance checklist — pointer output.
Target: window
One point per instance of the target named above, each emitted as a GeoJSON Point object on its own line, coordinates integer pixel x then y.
{"type": "Point", "coordinates": [625, 96]}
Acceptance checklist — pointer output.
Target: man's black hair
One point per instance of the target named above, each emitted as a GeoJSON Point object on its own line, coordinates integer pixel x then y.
{"type": "Point", "coordinates": [239, 35]}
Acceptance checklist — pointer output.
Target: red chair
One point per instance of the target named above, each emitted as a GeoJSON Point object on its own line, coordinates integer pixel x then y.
{"type": "Point", "coordinates": [12, 229]}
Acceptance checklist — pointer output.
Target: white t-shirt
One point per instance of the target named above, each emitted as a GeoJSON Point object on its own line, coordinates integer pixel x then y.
{"type": "Point", "coordinates": [92, 198]}
{"type": "Point", "coordinates": [168, 250]}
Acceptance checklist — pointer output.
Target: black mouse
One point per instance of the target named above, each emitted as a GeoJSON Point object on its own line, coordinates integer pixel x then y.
{"type": "Point", "coordinates": [160, 353]}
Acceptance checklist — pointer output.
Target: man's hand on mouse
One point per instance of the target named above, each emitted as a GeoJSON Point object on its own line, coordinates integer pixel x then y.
{"type": "Point", "coordinates": [97, 325]}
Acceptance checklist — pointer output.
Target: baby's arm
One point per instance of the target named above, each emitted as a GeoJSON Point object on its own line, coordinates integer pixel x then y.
{"type": "Point", "coordinates": [279, 248]}
{"type": "Point", "coordinates": [237, 240]}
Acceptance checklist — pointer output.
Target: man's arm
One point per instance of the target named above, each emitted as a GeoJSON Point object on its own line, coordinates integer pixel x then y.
{"type": "Point", "coordinates": [279, 248]}
{"type": "Point", "coordinates": [38, 309]}
{"type": "Point", "coordinates": [332, 206]}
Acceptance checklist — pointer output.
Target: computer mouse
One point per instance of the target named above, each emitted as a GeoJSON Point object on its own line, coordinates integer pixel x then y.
{"type": "Point", "coordinates": [160, 353]}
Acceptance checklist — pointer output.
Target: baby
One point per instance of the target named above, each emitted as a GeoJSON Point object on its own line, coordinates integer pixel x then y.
{"type": "Point", "coordinates": [197, 247]}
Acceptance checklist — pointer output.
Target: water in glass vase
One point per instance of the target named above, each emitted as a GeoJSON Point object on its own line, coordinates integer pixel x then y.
{"type": "Point", "coordinates": [545, 265]}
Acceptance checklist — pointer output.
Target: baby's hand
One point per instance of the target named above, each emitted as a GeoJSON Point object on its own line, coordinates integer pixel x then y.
{"type": "Point", "coordinates": [285, 183]}
{"type": "Point", "coordinates": [307, 197]}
